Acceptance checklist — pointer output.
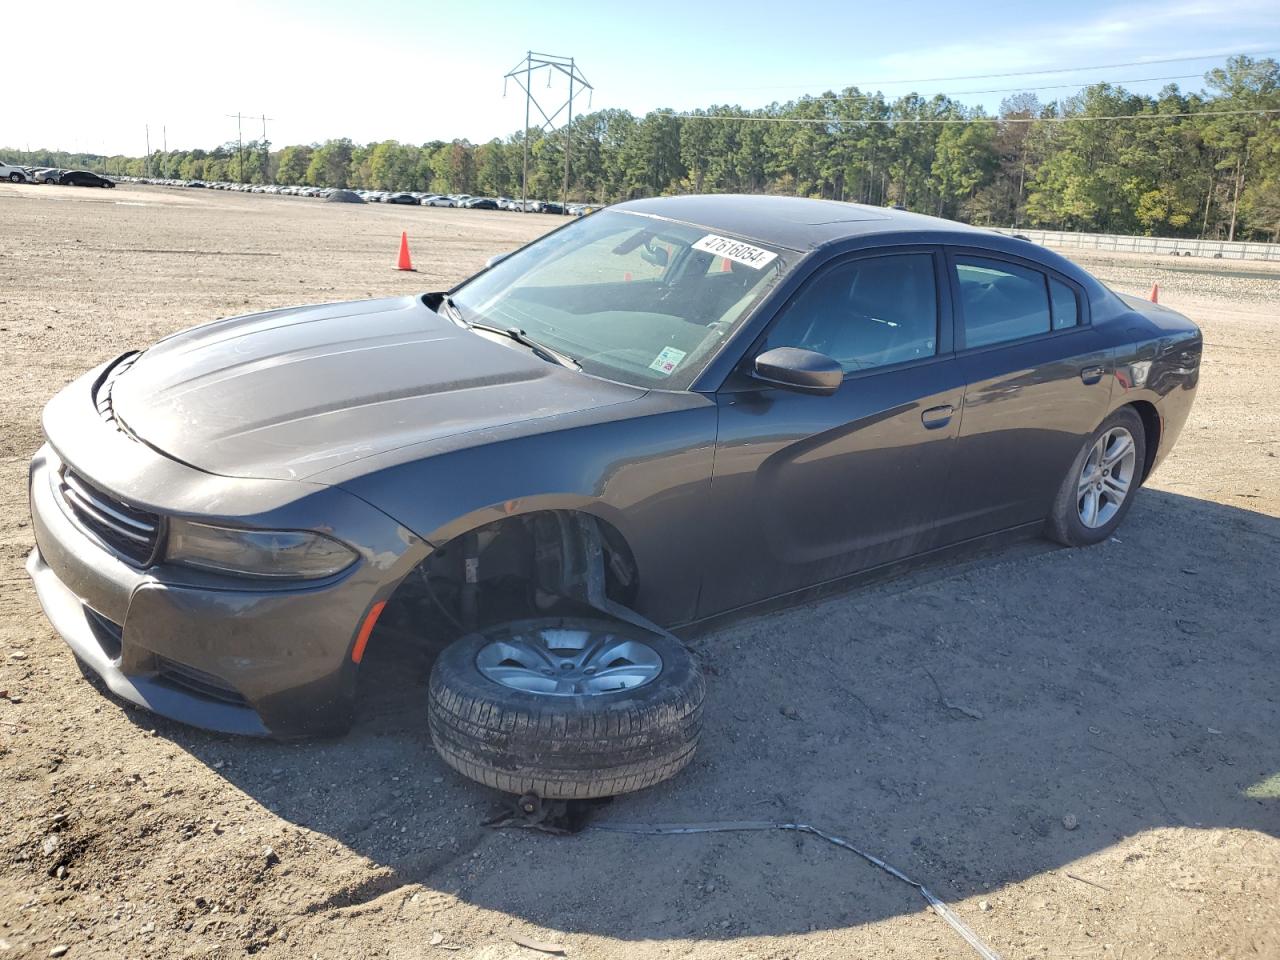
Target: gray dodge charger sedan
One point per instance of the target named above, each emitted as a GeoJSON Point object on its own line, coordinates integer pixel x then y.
{"type": "Point", "coordinates": [675, 407]}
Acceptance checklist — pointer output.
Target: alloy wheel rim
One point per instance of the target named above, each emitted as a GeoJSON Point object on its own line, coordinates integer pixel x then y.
{"type": "Point", "coordinates": [1106, 477]}
{"type": "Point", "coordinates": [568, 661]}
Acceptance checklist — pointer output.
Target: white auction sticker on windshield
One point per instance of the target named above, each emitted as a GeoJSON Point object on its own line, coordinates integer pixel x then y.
{"type": "Point", "coordinates": [667, 361]}
{"type": "Point", "coordinates": [756, 258]}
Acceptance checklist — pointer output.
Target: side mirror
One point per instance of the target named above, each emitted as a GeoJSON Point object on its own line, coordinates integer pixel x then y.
{"type": "Point", "coordinates": [804, 371]}
{"type": "Point", "coordinates": [496, 259]}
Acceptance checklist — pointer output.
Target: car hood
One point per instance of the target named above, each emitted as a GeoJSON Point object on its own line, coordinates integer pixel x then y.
{"type": "Point", "coordinates": [295, 392]}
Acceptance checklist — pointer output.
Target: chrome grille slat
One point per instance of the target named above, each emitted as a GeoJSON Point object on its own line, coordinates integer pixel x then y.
{"type": "Point", "coordinates": [131, 533]}
{"type": "Point", "coordinates": [79, 490]}
{"type": "Point", "coordinates": [83, 508]}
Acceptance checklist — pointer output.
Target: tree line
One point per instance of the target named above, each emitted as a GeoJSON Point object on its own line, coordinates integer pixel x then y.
{"type": "Point", "coordinates": [1184, 164]}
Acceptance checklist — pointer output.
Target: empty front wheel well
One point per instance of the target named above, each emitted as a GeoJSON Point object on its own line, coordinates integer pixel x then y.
{"type": "Point", "coordinates": [512, 568]}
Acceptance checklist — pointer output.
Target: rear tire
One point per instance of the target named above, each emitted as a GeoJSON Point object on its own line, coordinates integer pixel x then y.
{"type": "Point", "coordinates": [564, 746]}
{"type": "Point", "coordinates": [15, 178]}
{"type": "Point", "coordinates": [1101, 483]}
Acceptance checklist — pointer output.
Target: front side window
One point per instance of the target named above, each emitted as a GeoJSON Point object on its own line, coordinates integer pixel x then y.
{"type": "Point", "coordinates": [628, 297]}
{"type": "Point", "coordinates": [1000, 301]}
{"type": "Point", "coordinates": [865, 313]}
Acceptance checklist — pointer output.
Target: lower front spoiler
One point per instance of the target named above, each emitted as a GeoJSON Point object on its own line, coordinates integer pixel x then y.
{"type": "Point", "coordinates": [70, 619]}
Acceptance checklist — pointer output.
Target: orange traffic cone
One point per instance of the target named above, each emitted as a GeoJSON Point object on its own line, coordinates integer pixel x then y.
{"type": "Point", "coordinates": [405, 263]}
{"type": "Point", "coordinates": [1155, 293]}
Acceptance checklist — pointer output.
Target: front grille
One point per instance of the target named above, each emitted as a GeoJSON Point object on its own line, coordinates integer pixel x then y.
{"type": "Point", "coordinates": [197, 682]}
{"type": "Point", "coordinates": [126, 530]}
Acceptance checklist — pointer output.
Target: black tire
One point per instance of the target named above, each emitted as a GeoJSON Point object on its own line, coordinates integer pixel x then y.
{"type": "Point", "coordinates": [1064, 523]}
{"type": "Point", "coordinates": [565, 747]}
{"type": "Point", "coordinates": [16, 178]}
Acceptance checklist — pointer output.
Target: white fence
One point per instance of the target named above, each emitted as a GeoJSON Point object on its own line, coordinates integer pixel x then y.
{"type": "Point", "coordinates": [1214, 249]}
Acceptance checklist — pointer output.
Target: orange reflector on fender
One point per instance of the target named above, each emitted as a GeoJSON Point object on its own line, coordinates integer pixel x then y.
{"type": "Point", "coordinates": [366, 628]}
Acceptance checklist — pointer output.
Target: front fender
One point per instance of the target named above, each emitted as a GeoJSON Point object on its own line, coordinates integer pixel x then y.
{"type": "Point", "coordinates": [649, 476]}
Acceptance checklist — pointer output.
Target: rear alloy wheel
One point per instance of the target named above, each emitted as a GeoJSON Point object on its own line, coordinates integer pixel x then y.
{"type": "Point", "coordinates": [1101, 483]}
{"type": "Point", "coordinates": [15, 178]}
{"type": "Point", "coordinates": [566, 708]}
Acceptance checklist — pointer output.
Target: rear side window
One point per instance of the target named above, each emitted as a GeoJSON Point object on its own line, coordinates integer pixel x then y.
{"type": "Point", "coordinates": [1066, 309]}
{"type": "Point", "coordinates": [865, 313]}
{"type": "Point", "coordinates": [1001, 301]}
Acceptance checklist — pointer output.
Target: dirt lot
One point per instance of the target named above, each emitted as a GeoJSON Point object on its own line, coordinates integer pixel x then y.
{"type": "Point", "coordinates": [1077, 749]}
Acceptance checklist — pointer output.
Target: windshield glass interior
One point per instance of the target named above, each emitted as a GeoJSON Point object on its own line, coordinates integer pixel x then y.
{"type": "Point", "coordinates": [628, 297]}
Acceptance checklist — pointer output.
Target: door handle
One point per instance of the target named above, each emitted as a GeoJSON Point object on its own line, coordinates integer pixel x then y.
{"type": "Point", "coordinates": [1091, 375]}
{"type": "Point", "coordinates": [936, 417]}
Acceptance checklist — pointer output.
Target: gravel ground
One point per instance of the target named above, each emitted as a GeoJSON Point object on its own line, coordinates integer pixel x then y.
{"type": "Point", "coordinates": [1075, 748]}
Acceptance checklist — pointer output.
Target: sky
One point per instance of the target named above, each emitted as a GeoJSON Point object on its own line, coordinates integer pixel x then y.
{"type": "Point", "coordinates": [94, 77]}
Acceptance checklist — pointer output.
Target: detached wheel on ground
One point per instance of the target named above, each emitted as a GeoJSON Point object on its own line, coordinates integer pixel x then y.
{"type": "Point", "coordinates": [566, 708]}
{"type": "Point", "coordinates": [1101, 483]}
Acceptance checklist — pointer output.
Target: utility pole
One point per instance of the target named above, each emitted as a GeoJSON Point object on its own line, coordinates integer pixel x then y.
{"type": "Point", "coordinates": [164, 134]}
{"type": "Point", "coordinates": [148, 164]}
{"type": "Point", "coordinates": [266, 150]}
{"type": "Point", "coordinates": [568, 142]}
{"type": "Point", "coordinates": [522, 74]}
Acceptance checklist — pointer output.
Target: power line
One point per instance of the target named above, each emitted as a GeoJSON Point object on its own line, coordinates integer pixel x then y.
{"type": "Point", "coordinates": [828, 121]}
{"type": "Point", "coordinates": [1034, 73]}
{"type": "Point", "coordinates": [862, 98]}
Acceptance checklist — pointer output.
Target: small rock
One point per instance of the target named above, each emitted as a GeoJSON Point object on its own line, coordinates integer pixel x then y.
{"type": "Point", "coordinates": [20, 655]}
{"type": "Point", "coordinates": [147, 928]}
{"type": "Point", "coordinates": [270, 857]}
{"type": "Point", "coordinates": [1213, 731]}
{"type": "Point", "coordinates": [437, 779]}
{"type": "Point", "coordinates": [61, 872]}
{"type": "Point", "coordinates": [1095, 731]}
{"type": "Point", "coordinates": [1069, 822]}
{"type": "Point", "coordinates": [48, 845]}
{"type": "Point", "coordinates": [59, 951]}
{"type": "Point", "coordinates": [437, 938]}
{"type": "Point", "coordinates": [791, 713]}
{"type": "Point", "coordinates": [984, 906]}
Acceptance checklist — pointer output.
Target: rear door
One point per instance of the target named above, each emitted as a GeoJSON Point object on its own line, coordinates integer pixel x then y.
{"type": "Point", "coordinates": [809, 488]}
{"type": "Point", "coordinates": [1037, 382]}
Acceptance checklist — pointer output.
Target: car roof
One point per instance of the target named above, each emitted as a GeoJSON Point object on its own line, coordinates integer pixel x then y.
{"type": "Point", "coordinates": [798, 223]}
{"type": "Point", "coordinates": [803, 225]}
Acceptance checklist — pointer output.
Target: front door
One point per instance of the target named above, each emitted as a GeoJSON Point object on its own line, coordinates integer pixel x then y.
{"type": "Point", "coordinates": [809, 488]}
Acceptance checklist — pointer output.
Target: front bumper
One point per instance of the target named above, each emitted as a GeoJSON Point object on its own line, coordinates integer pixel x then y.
{"type": "Point", "coordinates": [223, 653]}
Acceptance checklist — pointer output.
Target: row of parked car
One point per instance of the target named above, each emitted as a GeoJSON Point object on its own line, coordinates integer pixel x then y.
{"type": "Point", "coordinates": [412, 198]}
{"type": "Point", "coordinates": [18, 173]}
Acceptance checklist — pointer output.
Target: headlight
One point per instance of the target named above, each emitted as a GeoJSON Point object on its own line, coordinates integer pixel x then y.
{"type": "Point", "coordinates": [292, 554]}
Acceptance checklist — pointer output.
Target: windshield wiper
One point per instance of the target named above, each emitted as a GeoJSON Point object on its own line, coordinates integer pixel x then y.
{"type": "Point", "coordinates": [519, 336]}
{"type": "Point", "coordinates": [446, 301]}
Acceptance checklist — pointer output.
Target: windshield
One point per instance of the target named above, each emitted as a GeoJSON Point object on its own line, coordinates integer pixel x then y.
{"type": "Point", "coordinates": [626, 296]}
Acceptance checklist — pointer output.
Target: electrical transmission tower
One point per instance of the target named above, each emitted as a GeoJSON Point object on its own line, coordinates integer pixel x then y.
{"type": "Point", "coordinates": [240, 118]}
{"type": "Point", "coordinates": [522, 73]}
